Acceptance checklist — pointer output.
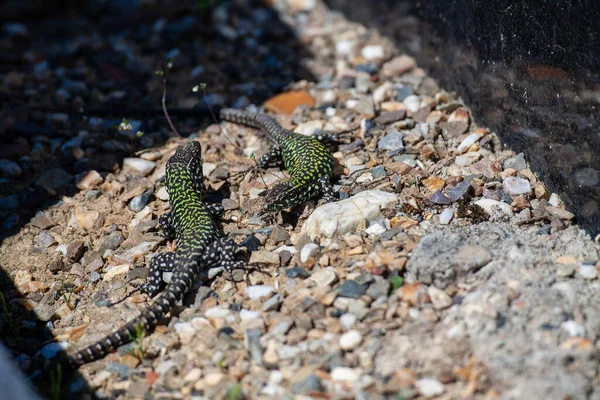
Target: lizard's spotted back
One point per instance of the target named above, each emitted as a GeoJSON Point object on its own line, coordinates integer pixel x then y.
{"type": "Point", "coordinates": [309, 161]}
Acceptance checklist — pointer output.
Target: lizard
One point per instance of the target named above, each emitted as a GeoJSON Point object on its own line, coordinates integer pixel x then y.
{"type": "Point", "coordinates": [307, 159]}
{"type": "Point", "coordinates": [200, 246]}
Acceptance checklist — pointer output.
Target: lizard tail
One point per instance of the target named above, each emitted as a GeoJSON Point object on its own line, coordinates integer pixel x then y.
{"type": "Point", "coordinates": [255, 120]}
{"type": "Point", "coordinates": [146, 322]}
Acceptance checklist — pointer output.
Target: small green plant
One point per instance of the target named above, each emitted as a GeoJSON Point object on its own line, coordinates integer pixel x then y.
{"type": "Point", "coordinates": [396, 282]}
{"type": "Point", "coordinates": [55, 382]}
{"type": "Point", "coordinates": [139, 351]}
{"type": "Point", "coordinates": [235, 392]}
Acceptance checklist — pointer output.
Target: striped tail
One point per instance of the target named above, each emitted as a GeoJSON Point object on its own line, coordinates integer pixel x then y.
{"type": "Point", "coordinates": [256, 120]}
{"type": "Point", "coordinates": [180, 284]}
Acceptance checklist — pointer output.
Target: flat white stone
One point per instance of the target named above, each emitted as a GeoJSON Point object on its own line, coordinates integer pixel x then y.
{"type": "Point", "coordinates": [488, 204]}
{"type": "Point", "coordinates": [349, 215]}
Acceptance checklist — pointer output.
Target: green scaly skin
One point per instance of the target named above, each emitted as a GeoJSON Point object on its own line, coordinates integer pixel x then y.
{"type": "Point", "coordinates": [307, 159]}
{"type": "Point", "coordinates": [199, 247]}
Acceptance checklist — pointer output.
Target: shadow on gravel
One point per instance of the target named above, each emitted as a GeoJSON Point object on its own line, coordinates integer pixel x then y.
{"type": "Point", "coordinates": [529, 72]}
{"type": "Point", "coordinates": [73, 70]}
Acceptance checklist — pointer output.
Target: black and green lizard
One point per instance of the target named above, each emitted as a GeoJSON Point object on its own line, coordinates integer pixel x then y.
{"type": "Point", "coordinates": [199, 247]}
{"type": "Point", "coordinates": [307, 159]}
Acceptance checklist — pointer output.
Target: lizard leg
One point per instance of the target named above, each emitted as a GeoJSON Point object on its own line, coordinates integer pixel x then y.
{"type": "Point", "coordinates": [160, 263]}
{"type": "Point", "coordinates": [215, 209]}
{"type": "Point", "coordinates": [326, 189]}
{"type": "Point", "coordinates": [166, 225]}
{"type": "Point", "coordinates": [221, 253]}
{"type": "Point", "coordinates": [272, 158]}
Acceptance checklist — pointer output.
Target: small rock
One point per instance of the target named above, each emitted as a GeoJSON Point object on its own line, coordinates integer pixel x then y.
{"type": "Point", "coordinates": [56, 266]}
{"type": "Point", "coordinates": [138, 166]}
{"type": "Point", "coordinates": [162, 194]}
{"type": "Point", "coordinates": [88, 180]}
{"type": "Point", "coordinates": [352, 289]}
{"type": "Point", "coordinates": [87, 219]}
{"type": "Point", "coordinates": [389, 117]}
{"type": "Point", "coordinates": [378, 289]}
{"type": "Point", "coordinates": [514, 186]}
{"type": "Point", "coordinates": [397, 66]}
{"type": "Point", "coordinates": [588, 272]}
{"type": "Point", "coordinates": [311, 384]}
{"type": "Point", "coordinates": [115, 271]}
{"type": "Point", "coordinates": [286, 103]}
{"type": "Point", "coordinates": [303, 5]}
{"type": "Point", "coordinates": [54, 179]}
{"type": "Point", "coordinates": [42, 221]}
{"type": "Point", "coordinates": [439, 298]}
{"type": "Point", "coordinates": [446, 216]}
{"type": "Point", "coordinates": [517, 162]}
{"type": "Point", "coordinates": [488, 205]}
{"type": "Point", "coordinates": [45, 239]}
{"type": "Point", "coordinates": [429, 387]}
{"type": "Point", "coordinates": [455, 192]}
{"type": "Point", "coordinates": [348, 320]}
{"type": "Point", "coordinates": [573, 328]}
{"type": "Point", "coordinates": [392, 142]}
{"type": "Point", "coordinates": [138, 203]}
{"type": "Point", "coordinates": [308, 250]}
{"type": "Point", "coordinates": [325, 276]}
{"type": "Point", "coordinates": [438, 197]}
{"type": "Point", "coordinates": [75, 250]}
{"type": "Point", "coordinates": [469, 141]}
{"type": "Point", "coordinates": [264, 257]}
{"type": "Point", "coordinates": [258, 291]}
{"type": "Point", "coordinates": [559, 213]}
{"type": "Point", "coordinates": [273, 303]}
{"type": "Point", "coordinates": [565, 271]}
{"type": "Point", "coordinates": [350, 340]}
{"type": "Point", "coordinates": [9, 169]}
{"type": "Point", "coordinates": [373, 52]}
{"type": "Point", "coordinates": [345, 374]}
{"type": "Point", "coordinates": [296, 272]}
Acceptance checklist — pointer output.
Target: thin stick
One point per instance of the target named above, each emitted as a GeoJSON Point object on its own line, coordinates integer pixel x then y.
{"type": "Point", "coordinates": [164, 103]}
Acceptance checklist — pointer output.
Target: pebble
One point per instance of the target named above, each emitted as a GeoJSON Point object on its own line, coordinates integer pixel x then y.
{"type": "Point", "coordinates": [573, 328]}
{"type": "Point", "coordinates": [52, 349]}
{"type": "Point", "coordinates": [347, 215]}
{"type": "Point", "coordinates": [307, 251]}
{"type": "Point", "coordinates": [438, 197]}
{"type": "Point", "coordinates": [345, 374]}
{"type": "Point", "coordinates": [162, 194]}
{"type": "Point", "coordinates": [488, 205]}
{"type": "Point", "coordinates": [9, 169]}
{"type": "Point", "coordinates": [296, 272]}
{"type": "Point", "coordinates": [565, 271]}
{"type": "Point", "coordinates": [45, 239]}
{"type": "Point", "coordinates": [257, 291]}
{"type": "Point", "coordinates": [193, 375]}
{"type": "Point", "coordinates": [428, 387]}
{"type": "Point", "coordinates": [378, 289]}
{"type": "Point", "coordinates": [375, 229]}
{"type": "Point", "coordinates": [138, 166]}
{"type": "Point", "coordinates": [325, 276]}
{"type": "Point", "coordinates": [42, 221]}
{"type": "Point", "coordinates": [138, 203]}
{"type": "Point", "coordinates": [348, 320]}
{"type": "Point", "coordinates": [559, 213]}
{"type": "Point", "coordinates": [132, 254]}
{"type": "Point", "coordinates": [75, 250]}
{"type": "Point", "coordinates": [517, 162]}
{"type": "Point", "coordinates": [372, 52]}
{"type": "Point", "coordinates": [446, 216]}
{"type": "Point", "coordinates": [86, 219]}
{"type": "Point", "coordinates": [467, 142]}
{"type": "Point", "coordinates": [116, 271]}
{"type": "Point", "coordinates": [455, 192]}
{"type": "Point", "coordinates": [391, 142]}
{"type": "Point", "coordinates": [264, 257]}
{"type": "Point", "coordinates": [88, 180]}
{"type": "Point", "coordinates": [310, 385]}
{"type": "Point", "coordinates": [588, 272]}
{"type": "Point", "coordinates": [350, 340]}
{"type": "Point", "coordinates": [186, 332]}
{"type": "Point", "coordinates": [273, 303]}
{"type": "Point", "coordinates": [352, 289]}
{"type": "Point", "coordinates": [397, 66]}
{"type": "Point", "coordinates": [514, 186]}
{"type": "Point", "coordinates": [439, 298]}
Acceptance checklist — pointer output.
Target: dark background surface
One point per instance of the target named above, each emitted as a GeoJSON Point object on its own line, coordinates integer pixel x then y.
{"type": "Point", "coordinates": [528, 70]}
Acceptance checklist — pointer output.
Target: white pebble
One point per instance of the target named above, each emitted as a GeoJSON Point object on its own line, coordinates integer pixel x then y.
{"type": "Point", "coordinates": [345, 47]}
{"type": "Point", "coordinates": [116, 270]}
{"type": "Point", "coordinates": [325, 276]}
{"type": "Point", "coordinates": [347, 215]}
{"type": "Point", "coordinates": [246, 315]}
{"type": "Point", "coordinates": [217, 312]}
{"type": "Point", "coordinates": [463, 161]}
{"type": "Point", "coordinates": [186, 331]}
{"type": "Point", "coordinates": [429, 387]}
{"type": "Point", "coordinates": [348, 320]}
{"type": "Point", "coordinates": [350, 340]}
{"type": "Point", "coordinates": [162, 194]}
{"type": "Point", "coordinates": [193, 375]}
{"type": "Point", "coordinates": [446, 216]}
{"type": "Point", "coordinates": [375, 229]}
{"type": "Point", "coordinates": [573, 328]}
{"type": "Point", "coordinates": [258, 291]}
{"type": "Point", "coordinates": [514, 186]}
{"type": "Point", "coordinates": [489, 204]}
{"type": "Point", "coordinates": [345, 374]}
{"type": "Point", "coordinates": [588, 272]}
{"type": "Point", "coordinates": [307, 251]}
{"type": "Point", "coordinates": [138, 166]}
{"type": "Point", "coordinates": [372, 52]}
{"type": "Point", "coordinates": [468, 142]}
{"type": "Point", "coordinates": [412, 102]}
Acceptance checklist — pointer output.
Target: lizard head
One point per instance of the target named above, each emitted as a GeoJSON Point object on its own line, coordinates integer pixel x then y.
{"type": "Point", "coordinates": [186, 162]}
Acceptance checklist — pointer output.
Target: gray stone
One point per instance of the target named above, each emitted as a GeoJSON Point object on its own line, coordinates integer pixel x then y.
{"type": "Point", "coordinates": [352, 289]}
{"type": "Point", "coordinates": [517, 162]}
{"type": "Point", "coordinates": [391, 142]}
{"type": "Point", "coordinates": [45, 239]}
{"type": "Point", "coordinates": [309, 385]}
